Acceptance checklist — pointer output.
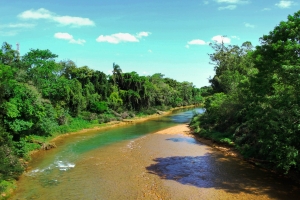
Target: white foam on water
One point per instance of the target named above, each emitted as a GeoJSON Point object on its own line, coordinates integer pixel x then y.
{"type": "Point", "coordinates": [60, 165]}
{"type": "Point", "coordinates": [64, 166]}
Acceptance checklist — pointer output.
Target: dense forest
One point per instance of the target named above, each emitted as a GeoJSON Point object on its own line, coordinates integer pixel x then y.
{"type": "Point", "coordinates": [253, 102]}
{"type": "Point", "coordinates": [40, 97]}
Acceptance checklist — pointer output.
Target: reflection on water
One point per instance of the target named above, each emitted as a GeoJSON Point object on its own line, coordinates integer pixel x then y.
{"type": "Point", "coordinates": [185, 139]}
{"type": "Point", "coordinates": [214, 171]}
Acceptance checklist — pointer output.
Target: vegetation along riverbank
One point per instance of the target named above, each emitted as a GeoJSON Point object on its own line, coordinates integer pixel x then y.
{"type": "Point", "coordinates": [41, 98]}
{"type": "Point", "coordinates": [253, 102]}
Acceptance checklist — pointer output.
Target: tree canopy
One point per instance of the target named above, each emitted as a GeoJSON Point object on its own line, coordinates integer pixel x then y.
{"type": "Point", "coordinates": [255, 101]}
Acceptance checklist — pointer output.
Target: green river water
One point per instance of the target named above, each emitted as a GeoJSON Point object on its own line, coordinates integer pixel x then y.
{"type": "Point", "coordinates": [130, 162]}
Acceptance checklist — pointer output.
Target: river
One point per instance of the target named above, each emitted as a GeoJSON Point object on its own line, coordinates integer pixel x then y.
{"type": "Point", "coordinates": [155, 159]}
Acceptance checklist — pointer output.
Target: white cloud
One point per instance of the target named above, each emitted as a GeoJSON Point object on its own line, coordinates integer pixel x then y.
{"type": "Point", "coordinates": [230, 7]}
{"type": "Point", "coordinates": [205, 2]}
{"type": "Point", "coordinates": [197, 42]}
{"type": "Point", "coordinates": [284, 4]}
{"type": "Point", "coordinates": [117, 38]}
{"type": "Point", "coordinates": [78, 41]}
{"type": "Point", "coordinates": [64, 36]}
{"type": "Point", "coordinates": [36, 14]}
{"type": "Point", "coordinates": [122, 37]}
{"type": "Point", "coordinates": [62, 20]}
{"type": "Point", "coordinates": [150, 51]}
{"type": "Point", "coordinates": [75, 21]}
{"type": "Point", "coordinates": [220, 39]}
{"type": "Point", "coordinates": [69, 37]}
{"type": "Point", "coordinates": [249, 25]}
{"type": "Point", "coordinates": [143, 34]}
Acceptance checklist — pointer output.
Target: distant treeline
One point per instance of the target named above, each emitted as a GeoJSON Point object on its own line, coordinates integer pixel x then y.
{"type": "Point", "coordinates": [254, 99]}
{"type": "Point", "coordinates": [40, 97]}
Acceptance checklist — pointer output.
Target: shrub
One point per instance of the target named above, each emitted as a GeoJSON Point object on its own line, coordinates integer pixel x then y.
{"type": "Point", "coordinates": [99, 107]}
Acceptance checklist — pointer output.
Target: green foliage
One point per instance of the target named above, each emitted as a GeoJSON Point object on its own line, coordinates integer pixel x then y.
{"type": "Point", "coordinates": [149, 111]}
{"type": "Point", "coordinates": [25, 112]}
{"type": "Point", "coordinates": [6, 187]}
{"type": "Point", "coordinates": [24, 147]}
{"type": "Point", "coordinates": [10, 166]}
{"type": "Point", "coordinates": [75, 124]}
{"type": "Point", "coordinates": [40, 97]}
{"type": "Point", "coordinates": [218, 137]}
{"type": "Point", "coordinates": [256, 98]}
{"type": "Point", "coordinates": [99, 107]}
{"type": "Point", "coordinates": [114, 99]}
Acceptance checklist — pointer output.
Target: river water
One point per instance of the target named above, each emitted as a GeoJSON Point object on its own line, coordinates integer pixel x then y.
{"type": "Point", "coordinates": [135, 162]}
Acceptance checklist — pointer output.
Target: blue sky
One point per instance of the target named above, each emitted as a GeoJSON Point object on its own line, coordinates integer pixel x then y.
{"type": "Point", "coordinates": [168, 37]}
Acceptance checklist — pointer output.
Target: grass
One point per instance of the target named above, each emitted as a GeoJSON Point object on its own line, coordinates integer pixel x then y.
{"type": "Point", "coordinates": [6, 188]}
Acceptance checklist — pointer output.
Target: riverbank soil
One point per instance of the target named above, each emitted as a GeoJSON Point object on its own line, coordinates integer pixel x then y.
{"type": "Point", "coordinates": [168, 164]}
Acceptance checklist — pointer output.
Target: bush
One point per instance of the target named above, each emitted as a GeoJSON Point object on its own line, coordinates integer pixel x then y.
{"type": "Point", "coordinates": [163, 108]}
{"type": "Point", "coordinates": [149, 111]}
{"type": "Point", "coordinates": [104, 118]}
{"type": "Point", "coordinates": [10, 165]}
{"type": "Point", "coordinates": [99, 107]}
{"type": "Point", "coordinates": [24, 147]}
{"type": "Point", "coordinates": [131, 114]}
{"type": "Point", "coordinates": [75, 124]}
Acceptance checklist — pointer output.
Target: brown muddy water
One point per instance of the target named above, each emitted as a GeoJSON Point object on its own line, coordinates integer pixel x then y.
{"type": "Point", "coordinates": [152, 160]}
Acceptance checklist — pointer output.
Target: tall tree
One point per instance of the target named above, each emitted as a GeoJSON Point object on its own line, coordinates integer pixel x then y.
{"type": "Point", "coordinates": [117, 74]}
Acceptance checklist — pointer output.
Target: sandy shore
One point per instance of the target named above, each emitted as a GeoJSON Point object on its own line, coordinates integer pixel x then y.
{"type": "Point", "coordinates": [184, 129]}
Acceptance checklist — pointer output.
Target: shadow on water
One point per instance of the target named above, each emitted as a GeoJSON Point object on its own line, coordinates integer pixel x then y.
{"type": "Point", "coordinates": [184, 139]}
{"type": "Point", "coordinates": [214, 170]}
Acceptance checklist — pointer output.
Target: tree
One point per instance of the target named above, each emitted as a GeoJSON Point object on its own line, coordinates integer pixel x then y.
{"type": "Point", "coordinates": [232, 65]}
{"type": "Point", "coordinates": [26, 112]}
{"type": "Point", "coordinates": [8, 56]}
{"type": "Point", "coordinates": [41, 68]}
{"type": "Point", "coordinates": [273, 125]}
{"type": "Point", "coordinates": [117, 74]}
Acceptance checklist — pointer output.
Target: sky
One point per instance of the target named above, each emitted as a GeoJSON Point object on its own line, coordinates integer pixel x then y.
{"type": "Point", "coordinates": [155, 36]}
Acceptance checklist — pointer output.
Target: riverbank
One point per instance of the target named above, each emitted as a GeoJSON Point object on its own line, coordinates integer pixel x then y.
{"type": "Point", "coordinates": [184, 129]}
{"type": "Point", "coordinates": [227, 150]}
{"type": "Point", "coordinates": [114, 124]}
